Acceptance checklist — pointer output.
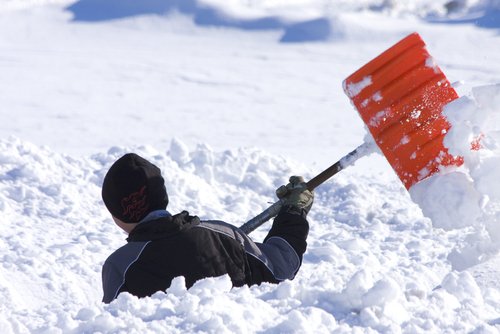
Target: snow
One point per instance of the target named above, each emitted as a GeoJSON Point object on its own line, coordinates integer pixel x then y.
{"type": "Point", "coordinates": [230, 98]}
{"type": "Point", "coordinates": [355, 88]}
{"type": "Point", "coordinates": [468, 197]}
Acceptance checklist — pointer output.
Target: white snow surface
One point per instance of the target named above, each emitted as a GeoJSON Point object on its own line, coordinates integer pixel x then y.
{"type": "Point", "coordinates": [229, 109]}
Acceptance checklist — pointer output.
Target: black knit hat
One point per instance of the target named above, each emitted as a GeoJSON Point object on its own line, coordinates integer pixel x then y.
{"type": "Point", "coordinates": [132, 188]}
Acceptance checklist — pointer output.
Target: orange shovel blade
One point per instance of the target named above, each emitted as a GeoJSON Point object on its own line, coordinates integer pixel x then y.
{"type": "Point", "coordinates": [400, 96]}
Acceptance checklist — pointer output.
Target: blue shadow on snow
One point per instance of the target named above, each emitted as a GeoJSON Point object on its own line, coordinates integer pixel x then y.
{"type": "Point", "coordinates": [489, 19]}
{"type": "Point", "coordinates": [105, 10]}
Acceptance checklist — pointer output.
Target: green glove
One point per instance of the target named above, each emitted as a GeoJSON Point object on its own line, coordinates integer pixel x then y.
{"type": "Point", "coordinates": [296, 194]}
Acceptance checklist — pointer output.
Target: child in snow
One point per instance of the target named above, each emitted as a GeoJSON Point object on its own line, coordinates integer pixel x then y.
{"type": "Point", "coordinates": [161, 246]}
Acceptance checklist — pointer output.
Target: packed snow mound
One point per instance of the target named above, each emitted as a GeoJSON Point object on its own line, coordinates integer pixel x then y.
{"type": "Point", "coordinates": [469, 196]}
{"type": "Point", "coordinates": [367, 266]}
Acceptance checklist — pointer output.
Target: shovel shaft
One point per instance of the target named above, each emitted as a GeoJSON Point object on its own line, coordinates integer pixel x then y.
{"type": "Point", "coordinates": [263, 217]}
{"type": "Point", "coordinates": [346, 161]}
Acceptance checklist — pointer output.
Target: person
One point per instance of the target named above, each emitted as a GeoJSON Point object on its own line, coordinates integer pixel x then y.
{"type": "Point", "coordinates": [161, 246]}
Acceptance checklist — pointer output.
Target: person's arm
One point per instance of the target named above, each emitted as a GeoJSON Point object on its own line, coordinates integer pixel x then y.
{"type": "Point", "coordinates": [115, 268]}
{"type": "Point", "coordinates": [292, 226]}
{"type": "Point", "coordinates": [279, 257]}
{"type": "Point", "coordinates": [285, 244]}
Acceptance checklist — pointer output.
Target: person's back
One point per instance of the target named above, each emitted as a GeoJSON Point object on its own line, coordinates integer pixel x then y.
{"type": "Point", "coordinates": [161, 247]}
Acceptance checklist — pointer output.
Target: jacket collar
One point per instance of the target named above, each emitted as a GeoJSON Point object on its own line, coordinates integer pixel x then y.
{"type": "Point", "coordinates": [153, 215]}
{"type": "Point", "coordinates": [158, 225]}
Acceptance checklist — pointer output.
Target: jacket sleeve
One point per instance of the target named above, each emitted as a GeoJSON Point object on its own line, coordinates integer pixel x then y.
{"type": "Point", "coordinates": [115, 268]}
{"type": "Point", "coordinates": [276, 259]}
{"type": "Point", "coordinates": [291, 225]}
{"type": "Point", "coordinates": [286, 243]}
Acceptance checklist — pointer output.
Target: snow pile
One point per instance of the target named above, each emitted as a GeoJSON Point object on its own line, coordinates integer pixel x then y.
{"type": "Point", "coordinates": [469, 197]}
{"type": "Point", "coordinates": [368, 264]}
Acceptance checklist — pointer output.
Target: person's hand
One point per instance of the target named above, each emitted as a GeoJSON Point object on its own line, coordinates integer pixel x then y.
{"type": "Point", "coordinates": [295, 194]}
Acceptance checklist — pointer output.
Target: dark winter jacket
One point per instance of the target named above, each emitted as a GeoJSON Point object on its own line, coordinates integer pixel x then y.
{"type": "Point", "coordinates": [162, 248]}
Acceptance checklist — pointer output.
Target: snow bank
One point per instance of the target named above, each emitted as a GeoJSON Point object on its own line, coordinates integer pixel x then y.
{"type": "Point", "coordinates": [367, 268]}
{"type": "Point", "coordinates": [470, 196]}
{"type": "Point", "coordinates": [300, 21]}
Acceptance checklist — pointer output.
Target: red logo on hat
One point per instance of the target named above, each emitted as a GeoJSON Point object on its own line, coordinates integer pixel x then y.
{"type": "Point", "coordinates": [135, 205]}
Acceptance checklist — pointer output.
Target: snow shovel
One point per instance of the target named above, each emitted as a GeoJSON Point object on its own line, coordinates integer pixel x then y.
{"type": "Point", "coordinates": [399, 95]}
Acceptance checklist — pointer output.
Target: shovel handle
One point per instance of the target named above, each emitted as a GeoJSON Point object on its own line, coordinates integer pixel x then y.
{"type": "Point", "coordinates": [319, 179]}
